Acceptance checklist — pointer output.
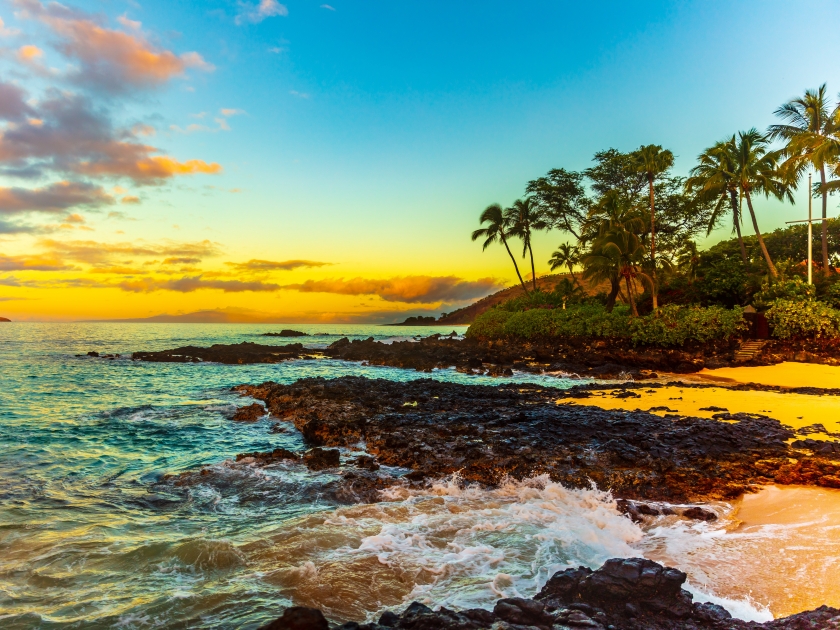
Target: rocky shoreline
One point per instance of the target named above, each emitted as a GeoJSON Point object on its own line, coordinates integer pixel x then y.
{"type": "Point", "coordinates": [588, 358]}
{"type": "Point", "coordinates": [623, 594]}
{"type": "Point", "coordinates": [486, 434]}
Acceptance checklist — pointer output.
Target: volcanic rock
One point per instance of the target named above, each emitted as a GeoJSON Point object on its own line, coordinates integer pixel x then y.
{"type": "Point", "coordinates": [239, 353]}
{"type": "Point", "coordinates": [251, 413]}
{"type": "Point", "coordinates": [487, 433]}
{"type": "Point", "coordinates": [286, 333]}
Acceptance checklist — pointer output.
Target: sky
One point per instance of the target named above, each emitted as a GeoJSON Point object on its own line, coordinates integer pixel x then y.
{"type": "Point", "coordinates": [311, 162]}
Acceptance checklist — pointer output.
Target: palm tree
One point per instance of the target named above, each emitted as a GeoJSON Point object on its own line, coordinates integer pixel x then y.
{"type": "Point", "coordinates": [713, 178]}
{"type": "Point", "coordinates": [756, 170]}
{"type": "Point", "coordinates": [497, 230]}
{"type": "Point", "coordinates": [812, 133]}
{"type": "Point", "coordinates": [652, 161]}
{"type": "Point", "coordinates": [625, 247]}
{"type": "Point", "coordinates": [525, 217]}
{"type": "Point", "coordinates": [565, 256]}
{"type": "Point", "coordinates": [600, 266]}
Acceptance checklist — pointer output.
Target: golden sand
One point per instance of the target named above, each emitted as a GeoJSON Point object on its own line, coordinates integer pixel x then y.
{"type": "Point", "coordinates": [783, 374]}
{"type": "Point", "coordinates": [795, 410]}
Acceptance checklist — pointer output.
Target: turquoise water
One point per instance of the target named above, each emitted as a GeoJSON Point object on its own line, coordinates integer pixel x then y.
{"type": "Point", "coordinates": [89, 536]}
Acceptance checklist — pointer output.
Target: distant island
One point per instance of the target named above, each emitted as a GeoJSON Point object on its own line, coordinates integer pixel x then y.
{"type": "Point", "coordinates": [3, 319]}
{"type": "Point", "coordinates": [286, 333]}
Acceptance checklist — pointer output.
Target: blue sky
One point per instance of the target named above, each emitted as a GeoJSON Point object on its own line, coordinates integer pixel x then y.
{"type": "Point", "coordinates": [372, 134]}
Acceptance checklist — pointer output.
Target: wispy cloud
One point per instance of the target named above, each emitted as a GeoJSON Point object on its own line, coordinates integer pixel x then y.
{"type": "Point", "coordinates": [94, 252]}
{"type": "Point", "coordinates": [32, 263]}
{"type": "Point", "coordinates": [271, 265]}
{"type": "Point", "coordinates": [327, 7]}
{"type": "Point", "coordinates": [53, 198]}
{"type": "Point", "coordinates": [299, 94]}
{"type": "Point", "coordinates": [189, 284]}
{"type": "Point", "coordinates": [256, 13]}
{"type": "Point", "coordinates": [409, 289]}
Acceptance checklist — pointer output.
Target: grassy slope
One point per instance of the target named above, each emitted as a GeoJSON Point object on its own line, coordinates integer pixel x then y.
{"type": "Point", "coordinates": [467, 314]}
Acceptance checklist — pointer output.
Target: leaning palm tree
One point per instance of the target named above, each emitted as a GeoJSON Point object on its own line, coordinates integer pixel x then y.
{"type": "Point", "coordinates": [625, 247]}
{"type": "Point", "coordinates": [497, 231]}
{"type": "Point", "coordinates": [812, 134]}
{"type": "Point", "coordinates": [526, 217]}
{"type": "Point", "coordinates": [757, 171]}
{"type": "Point", "coordinates": [652, 161]}
{"type": "Point", "coordinates": [600, 266]}
{"type": "Point", "coordinates": [713, 178]}
{"type": "Point", "coordinates": [565, 256]}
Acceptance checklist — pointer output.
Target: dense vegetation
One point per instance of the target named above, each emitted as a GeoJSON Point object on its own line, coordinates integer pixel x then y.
{"type": "Point", "coordinates": [631, 225]}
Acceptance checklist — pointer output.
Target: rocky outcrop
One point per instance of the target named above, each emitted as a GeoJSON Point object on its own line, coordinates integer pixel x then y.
{"type": "Point", "coordinates": [3, 319]}
{"type": "Point", "coordinates": [238, 353]}
{"type": "Point", "coordinates": [624, 594]}
{"type": "Point", "coordinates": [486, 433]}
{"type": "Point", "coordinates": [286, 333]}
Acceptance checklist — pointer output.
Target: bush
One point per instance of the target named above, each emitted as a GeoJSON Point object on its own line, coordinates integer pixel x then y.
{"type": "Point", "coordinates": [794, 289]}
{"type": "Point", "coordinates": [793, 319]}
{"type": "Point", "coordinates": [832, 295]}
{"type": "Point", "coordinates": [670, 326]}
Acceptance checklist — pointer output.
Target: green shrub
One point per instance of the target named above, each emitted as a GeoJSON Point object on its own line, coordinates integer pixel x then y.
{"type": "Point", "coordinates": [793, 289]}
{"type": "Point", "coordinates": [670, 326]}
{"type": "Point", "coordinates": [832, 295]}
{"type": "Point", "coordinates": [803, 318]}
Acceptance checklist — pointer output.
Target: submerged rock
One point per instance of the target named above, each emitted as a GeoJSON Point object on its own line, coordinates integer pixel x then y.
{"type": "Point", "coordinates": [624, 594]}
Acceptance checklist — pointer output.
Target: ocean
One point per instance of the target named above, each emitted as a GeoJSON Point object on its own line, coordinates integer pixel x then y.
{"type": "Point", "coordinates": [92, 536]}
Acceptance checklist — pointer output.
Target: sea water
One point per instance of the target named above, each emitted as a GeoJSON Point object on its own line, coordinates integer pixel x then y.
{"type": "Point", "coordinates": [90, 537]}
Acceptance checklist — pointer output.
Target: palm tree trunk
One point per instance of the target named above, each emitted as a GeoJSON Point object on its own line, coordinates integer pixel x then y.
{"type": "Point", "coordinates": [632, 298]}
{"type": "Point", "coordinates": [615, 287]}
{"type": "Point", "coordinates": [533, 269]}
{"type": "Point", "coordinates": [515, 266]}
{"type": "Point", "coordinates": [652, 244]}
{"type": "Point", "coordinates": [574, 277]}
{"type": "Point", "coordinates": [736, 219]}
{"type": "Point", "coordinates": [824, 222]}
{"type": "Point", "coordinates": [761, 244]}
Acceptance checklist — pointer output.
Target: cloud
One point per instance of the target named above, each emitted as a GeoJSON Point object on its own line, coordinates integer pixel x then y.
{"type": "Point", "coordinates": [130, 199]}
{"type": "Point", "coordinates": [107, 59]}
{"type": "Point", "coordinates": [327, 7]}
{"type": "Point", "coordinates": [5, 31]}
{"type": "Point", "coordinates": [181, 260]}
{"type": "Point", "coordinates": [189, 284]}
{"type": "Point", "coordinates": [298, 94]}
{"type": "Point", "coordinates": [75, 137]}
{"type": "Point", "coordinates": [231, 112]}
{"type": "Point", "coordinates": [270, 265]}
{"type": "Point", "coordinates": [256, 13]}
{"type": "Point", "coordinates": [53, 198]}
{"type": "Point", "coordinates": [410, 289]}
{"type": "Point", "coordinates": [13, 106]}
{"type": "Point", "coordinates": [32, 263]}
{"type": "Point", "coordinates": [29, 53]}
{"type": "Point", "coordinates": [94, 252]}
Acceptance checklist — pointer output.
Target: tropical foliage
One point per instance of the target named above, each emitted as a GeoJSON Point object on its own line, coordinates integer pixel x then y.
{"type": "Point", "coordinates": [631, 225]}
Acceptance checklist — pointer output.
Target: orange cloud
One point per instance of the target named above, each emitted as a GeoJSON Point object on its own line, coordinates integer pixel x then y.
{"type": "Point", "coordinates": [110, 59]}
{"type": "Point", "coordinates": [130, 199]}
{"type": "Point", "coordinates": [181, 260]}
{"type": "Point", "coordinates": [97, 253]}
{"type": "Point", "coordinates": [32, 263]}
{"type": "Point", "coordinates": [29, 53]}
{"type": "Point", "coordinates": [410, 289]}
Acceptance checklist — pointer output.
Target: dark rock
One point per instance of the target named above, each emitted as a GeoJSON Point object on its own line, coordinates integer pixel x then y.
{"type": "Point", "coordinates": [269, 457]}
{"type": "Point", "coordinates": [699, 514]}
{"type": "Point", "coordinates": [367, 462]}
{"type": "Point", "coordinates": [488, 432]}
{"type": "Point", "coordinates": [389, 619]}
{"type": "Point", "coordinates": [299, 618]}
{"type": "Point", "coordinates": [251, 413]}
{"type": "Point", "coordinates": [93, 353]}
{"type": "Point", "coordinates": [322, 458]}
{"type": "Point", "coordinates": [235, 354]}
{"type": "Point", "coordinates": [285, 333]}
{"type": "Point", "coordinates": [524, 612]}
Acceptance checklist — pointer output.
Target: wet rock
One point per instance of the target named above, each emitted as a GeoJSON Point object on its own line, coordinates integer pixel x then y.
{"type": "Point", "coordinates": [488, 432]}
{"type": "Point", "coordinates": [239, 353]}
{"type": "Point", "coordinates": [286, 333]}
{"type": "Point", "coordinates": [699, 514]}
{"type": "Point", "coordinates": [322, 458]}
{"type": "Point", "coordinates": [93, 353]}
{"type": "Point", "coordinates": [624, 594]}
{"type": "Point", "coordinates": [251, 413]}
{"type": "Point", "coordinates": [366, 462]}
{"type": "Point", "coordinates": [268, 457]}
{"type": "Point", "coordinates": [299, 618]}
